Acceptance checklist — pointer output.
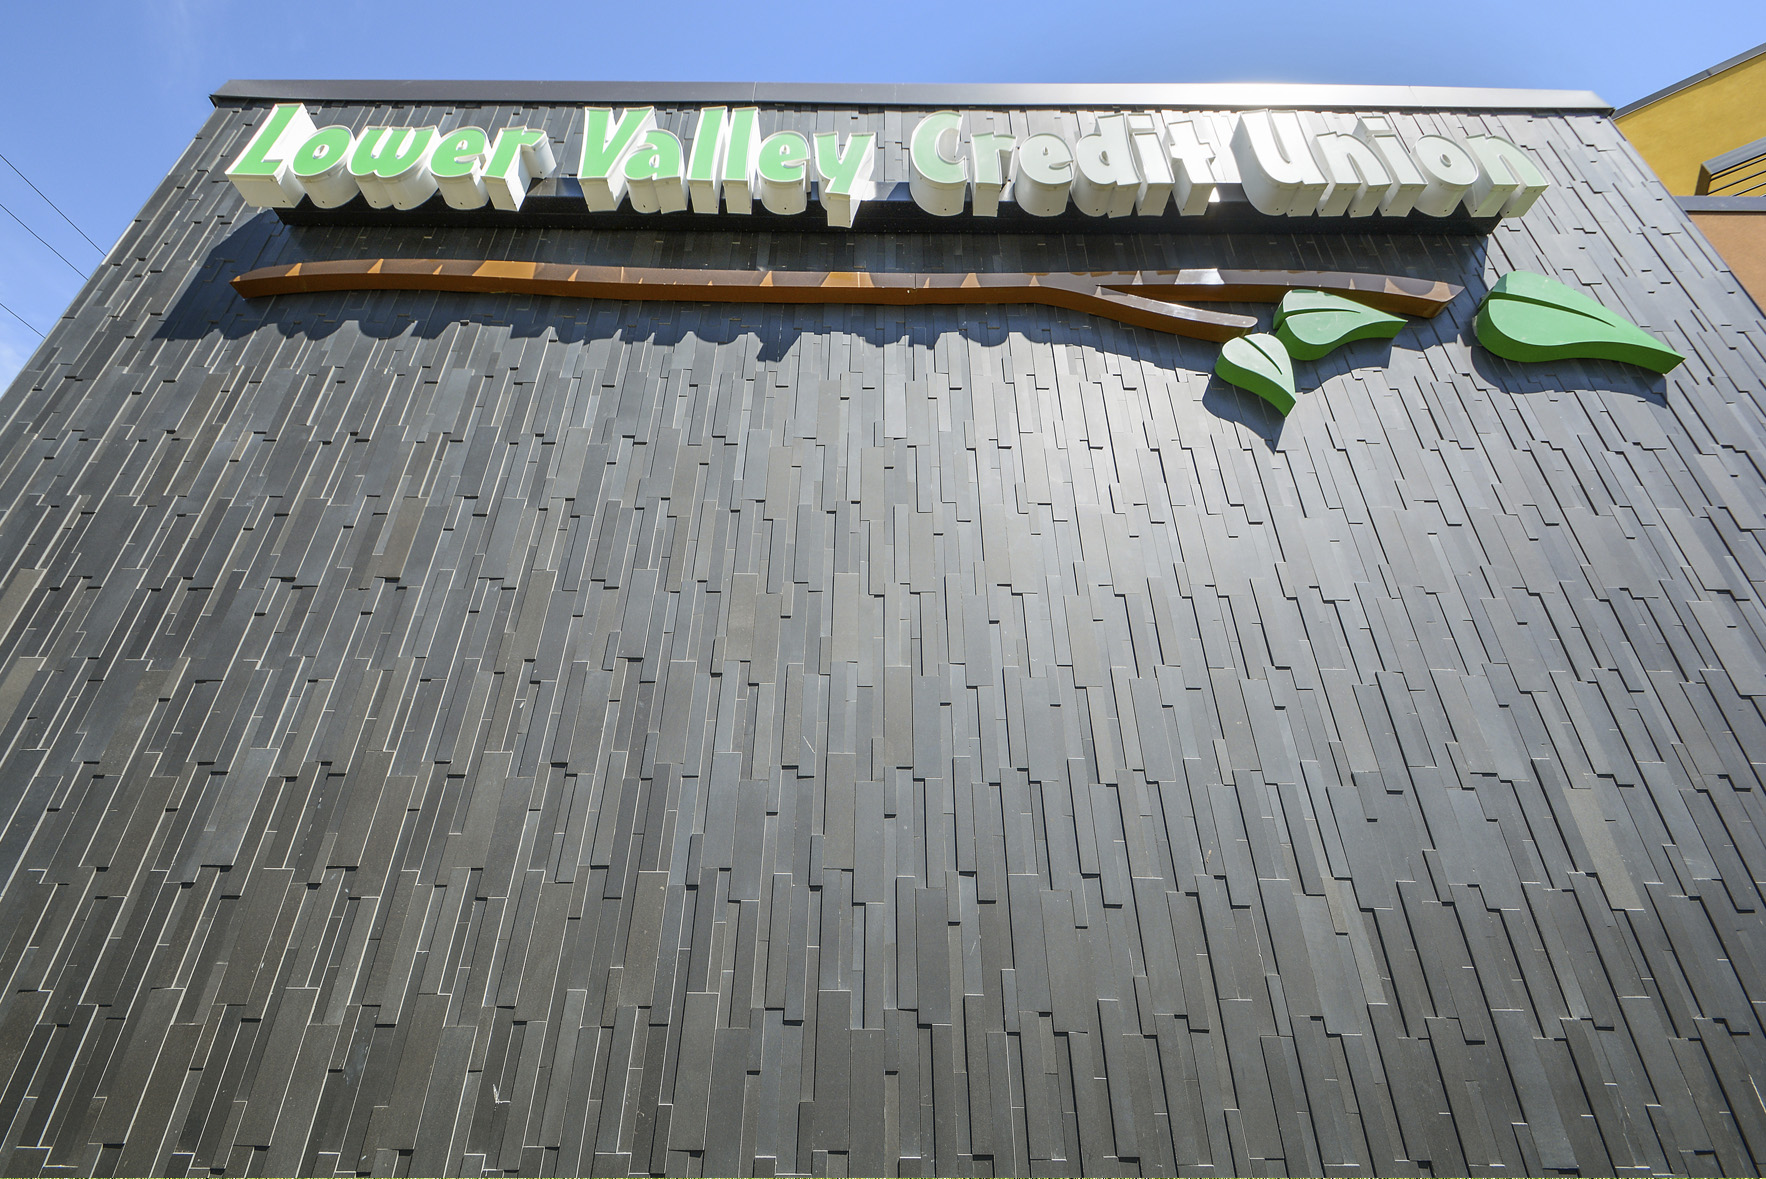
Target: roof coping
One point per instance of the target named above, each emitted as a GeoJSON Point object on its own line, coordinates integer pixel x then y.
{"type": "Point", "coordinates": [1208, 95]}
{"type": "Point", "coordinates": [1686, 83]}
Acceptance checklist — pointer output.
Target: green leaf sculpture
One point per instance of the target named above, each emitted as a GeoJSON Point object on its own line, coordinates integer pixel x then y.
{"type": "Point", "coordinates": [1260, 365]}
{"type": "Point", "coordinates": [1529, 317]}
{"type": "Point", "coordinates": [1311, 323]}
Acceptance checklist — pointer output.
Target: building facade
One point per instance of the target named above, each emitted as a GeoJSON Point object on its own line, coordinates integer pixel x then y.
{"type": "Point", "coordinates": [1705, 136]}
{"type": "Point", "coordinates": [857, 670]}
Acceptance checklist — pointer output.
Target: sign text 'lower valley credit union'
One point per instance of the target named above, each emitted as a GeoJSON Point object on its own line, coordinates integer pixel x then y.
{"type": "Point", "coordinates": [1130, 164]}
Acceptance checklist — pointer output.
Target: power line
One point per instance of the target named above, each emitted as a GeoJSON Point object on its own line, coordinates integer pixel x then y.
{"type": "Point", "coordinates": [46, 245]}
{"type": "Point", "coordinates": [20, 318]}
{"type": "Point", "coordinates": [53, 205]}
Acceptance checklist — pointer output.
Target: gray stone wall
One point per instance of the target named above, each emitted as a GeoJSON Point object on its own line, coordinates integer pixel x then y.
{"type": "Point", "coordinates": [454, 733]}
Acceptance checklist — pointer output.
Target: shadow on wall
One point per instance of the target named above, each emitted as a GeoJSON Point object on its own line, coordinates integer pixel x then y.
{"type": "Point", "coordinates": [207, 303]}
{"type": "Point", "coordinates": [1563, 376]}
{"type": "Point", "coordinates": [1310, 378]}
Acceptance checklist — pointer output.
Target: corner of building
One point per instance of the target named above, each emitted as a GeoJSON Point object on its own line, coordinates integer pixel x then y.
{"type": "Point", "coordinates": [1705, 138]}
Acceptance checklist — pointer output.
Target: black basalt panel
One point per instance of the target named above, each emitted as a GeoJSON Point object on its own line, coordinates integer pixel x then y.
{"type": "Point", "coordinates": [448, 733]}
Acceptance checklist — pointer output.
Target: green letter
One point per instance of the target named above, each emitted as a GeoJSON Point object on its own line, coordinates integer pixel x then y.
{"type": "Point", "coordinates": [1275, 164]}
{"type": "Point", "coordinates": [460, 153]}
{"type": "Point", "coordinates": [1407, 182]}
{"type": "Point", "coordinates": [1193, 177]}
{"type": "Point", "coordinates": [1105, 181]}
{"type": "Point", "coordinates": [937, 181]}
{"type": "Point", "coordinates": [322, 164]}
{"type": "Point", "coordinates": [388, 164]}
{"type": "Point", "coordinates": [992, 156]}
{"type": "Point", "coordinates": [1508, 180]}
{"type": "Point", "coordinates": [845, 177]}
{"type": "Point", "coordinates": [1045, 173]}
{"type": "Point", "coordinates": [261, 173]}
{"type": "Point", "coordinates": [458, 167]}
{"type": "Point", "coordinates": [741, 158]}
{"type": "Point", "coordinates": [654, 174]}
{"type": "Point", "coordinates": [1450, 170]}
{"type": "Point", "coordinates": [1155, 167]}
{"type": "Point", "coordinates": [705, 165]}
{"type": "Point", "coordinates": [784, 172]}
{"type": "Point", "coordinates": [520, 155]}
{"type": "Point", "coordinates": [1359, 180]}
{"type": "Point", "coordinates": [604, 147]}
{"type": "Point", "coordinates": [376, 154]}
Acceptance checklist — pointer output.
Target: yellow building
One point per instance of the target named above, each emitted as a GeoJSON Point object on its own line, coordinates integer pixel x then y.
{"type": "Point", "coordinates": [1705, 136]}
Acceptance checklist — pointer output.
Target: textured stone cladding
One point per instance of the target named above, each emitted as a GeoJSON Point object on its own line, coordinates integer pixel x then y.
{"type": "Point", "coordinates": [461, 733]}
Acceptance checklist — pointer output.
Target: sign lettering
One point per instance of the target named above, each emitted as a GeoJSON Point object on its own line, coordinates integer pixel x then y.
{"type": "Point", "coordinates": [1132, 164]}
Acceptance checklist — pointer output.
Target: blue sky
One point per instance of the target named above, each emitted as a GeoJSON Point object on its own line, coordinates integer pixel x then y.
{"type": "Point", "coordinates": [143, 71]}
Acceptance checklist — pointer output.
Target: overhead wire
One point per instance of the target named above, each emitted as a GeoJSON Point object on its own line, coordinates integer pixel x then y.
{"type": "Point", "coordinates": [46, 245]}
{"type": "Point", "coordinates": [21, 319]}
{"type": "Point", "coordinates": [52, 204]}
{"type": "Point", "coordinates": [70, 265]}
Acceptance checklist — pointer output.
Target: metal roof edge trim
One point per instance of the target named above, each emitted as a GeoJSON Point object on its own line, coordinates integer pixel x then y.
{"type": "Point", "coordinates": [1735, 155]}
{"type": "Point", "coordinates": [1721, 204]}
{"type": "Point", "coordinates": [1228, 95]}
{"type": "Point", "coordinates": [1741, 58]}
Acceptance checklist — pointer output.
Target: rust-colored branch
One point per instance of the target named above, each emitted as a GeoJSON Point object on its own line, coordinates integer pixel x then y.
{"type": "Point", "coordinates": [1388, 292]}
{"type": "Point", "coordinates": [1145, 298]}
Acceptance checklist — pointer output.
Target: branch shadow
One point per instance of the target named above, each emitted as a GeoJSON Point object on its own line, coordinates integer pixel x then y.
{"type": "Point", "coordinates": [207, 305]}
